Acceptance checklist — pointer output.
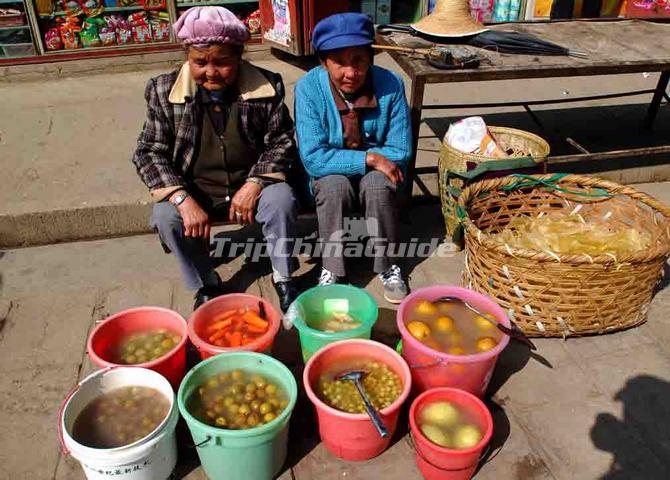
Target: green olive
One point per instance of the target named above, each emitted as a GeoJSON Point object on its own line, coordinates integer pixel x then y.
{"type": "Point", "coordinates": [237, 375]}
{"type": "Point", "coordinates": [140, 351]}
{"type": "Point", "coordinates": [252, 420]}
{"type": "Point", "coordinates": [223, 377]}
{"type": "Point", "coordinates": [255, 405]}
{"type": "Point", "coordinates": [219, 409]}
{"type": "Point", "coordinates": [212, 383]}
{"type": "Point", "coordinates": [221, 421]}
{"type": "Point", "coordinates": [268, 417]}
{"type": "Point", "coordinates": [237, 389]}
{"type": "Point", "coordinates": [142, 359]}
{"type": "Point", "coordinates": [211, 414]}
{"type": "Point", "coordinates": [167, 344]}
{"type": "Point", "coordinates": [244, 409]}
{"type": "Point", "coordinates": [157, 352]}
{"type": "Point", "coordinates": [233, 408]}
{"type": "Point", "coordinates": [271, 389]}
{"type": "Point", "coordinates": [227, 401]}
{"type": "Point", "coordinates": [265, 408]}
{"type": "Point", "coordinates": [259, 381]}
{"type": "Point", "coordinates": [130, 359]}
{"type": "Point", "coordinates": [248, 397]}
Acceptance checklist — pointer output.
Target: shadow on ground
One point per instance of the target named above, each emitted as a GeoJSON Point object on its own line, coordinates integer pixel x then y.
{"type": "Point", "coordinates": [640, 440]}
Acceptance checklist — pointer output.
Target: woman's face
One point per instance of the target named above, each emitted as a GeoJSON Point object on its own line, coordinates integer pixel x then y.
{"type": "Point", "coordinates": [214, 67]}
{"type": "Point", "coordinates": [348, 67]}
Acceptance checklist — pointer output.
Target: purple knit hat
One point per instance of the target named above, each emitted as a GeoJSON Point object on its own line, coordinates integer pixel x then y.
{"type": "Point", "coordinates": [201, 26]}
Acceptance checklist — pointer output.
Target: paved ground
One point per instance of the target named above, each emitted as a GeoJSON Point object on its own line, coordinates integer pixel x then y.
{"type": "Point", "coordinates": [592, 408]}
{"type": "Point", "coordinates": [66, 142]}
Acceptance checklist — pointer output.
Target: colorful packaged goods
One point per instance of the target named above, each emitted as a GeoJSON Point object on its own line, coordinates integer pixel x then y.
{"type": "Point", "coordinates": [92, 8]}
{"type": "Point", "coordinates": [69, 33]}
{"type": "Point", "coordinates": [160, 30]}
{"type": "Point", "coordinates": [52, 39]}
{"type": "Point", "coordinates": [72, 8]}
{"type": "Point", "coordinates": [141, 30]}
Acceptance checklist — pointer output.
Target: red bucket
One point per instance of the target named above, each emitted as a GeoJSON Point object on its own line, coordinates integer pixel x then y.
{"type": "Point", "coordinates": [203, 316]}
{"type": "Point", "coordinates": [104, 340]}
{"type": "Point", "coordinates": [346, 435]}
{"type": "Point", "coordinates": [431, 368]}
{"type": "Point", "coordinates": [439, 463]}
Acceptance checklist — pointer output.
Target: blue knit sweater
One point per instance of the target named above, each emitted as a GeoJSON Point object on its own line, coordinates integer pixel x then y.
{"type": "Point", "coordinates": [319, 126]}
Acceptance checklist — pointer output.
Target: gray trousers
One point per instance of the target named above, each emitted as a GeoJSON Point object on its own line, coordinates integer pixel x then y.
{"type": "Point", "coordinates": [338, 197]}
{"type": "Point", "coordinates": [277, 212]}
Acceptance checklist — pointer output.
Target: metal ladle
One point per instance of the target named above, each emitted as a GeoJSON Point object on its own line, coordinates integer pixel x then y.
{"type": "Point", "coordinates": [514, 332]}
{"type": "Point", "coordinates": [355, 376]}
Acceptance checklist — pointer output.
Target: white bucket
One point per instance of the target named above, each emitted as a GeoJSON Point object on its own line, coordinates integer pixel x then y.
{"type": "Point", "coordinates": [150, 458]}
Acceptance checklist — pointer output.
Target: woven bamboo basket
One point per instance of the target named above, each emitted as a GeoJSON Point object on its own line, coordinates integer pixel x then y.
{"type": "Point", "coordinates": [528, 150]}
{"type": "Point", "coordinates": [557, 295]}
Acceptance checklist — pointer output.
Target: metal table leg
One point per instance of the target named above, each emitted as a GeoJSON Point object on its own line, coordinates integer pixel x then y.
{"type": "Point", "coordinates": [655, 104]}
{"type": "Point", "coordinates": [416, 106]}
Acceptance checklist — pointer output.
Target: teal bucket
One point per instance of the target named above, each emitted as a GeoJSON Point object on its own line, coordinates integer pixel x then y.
{"type": "Point", "coordinates": [254, 454]}
{"type": "Point", "coordinates": [314, 303]}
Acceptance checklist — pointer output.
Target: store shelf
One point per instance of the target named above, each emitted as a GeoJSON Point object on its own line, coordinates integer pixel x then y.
{"type": "Point", "coordinates": [107, 9]}
{"type": "Point", "coordinates": [3, 2]}
{"type": "Point", "coordinates": [23, 44]}
{"type": "Point", "coordinates": [215, 2]}
{"type": "Point", "coordinates": [17, 27]}
{"type": "Point", "coordinates": [127, 47]}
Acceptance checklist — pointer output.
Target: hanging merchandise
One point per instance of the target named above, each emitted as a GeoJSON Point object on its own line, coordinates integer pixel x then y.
{"type": "Point", "coordinates": [92, 8]}
{"type": "Point", "coordinates": [69, 33]}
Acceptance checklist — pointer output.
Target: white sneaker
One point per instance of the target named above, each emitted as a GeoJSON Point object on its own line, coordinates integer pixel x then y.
{"type": "Point", "coordinates": [327, 278]}
{"type": "Point", "coordinates": [395, 288]}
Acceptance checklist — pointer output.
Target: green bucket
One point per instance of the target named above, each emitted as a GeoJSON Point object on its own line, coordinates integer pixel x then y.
{"type": "Point", "coordinates": [315, 302]}
{"type": "Point", "coordinates": [253, 454]}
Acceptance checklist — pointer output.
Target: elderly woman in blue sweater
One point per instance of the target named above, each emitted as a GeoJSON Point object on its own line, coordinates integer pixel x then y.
{"type": "Point", "coordinates": [354, 138]}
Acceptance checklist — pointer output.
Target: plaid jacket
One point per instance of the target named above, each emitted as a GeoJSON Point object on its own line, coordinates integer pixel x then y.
{"type": "Point", "coordinates": [170, 137]}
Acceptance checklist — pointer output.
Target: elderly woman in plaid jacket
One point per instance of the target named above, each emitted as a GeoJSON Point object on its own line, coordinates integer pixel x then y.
{"type": "Point", "coordinates": [218, 142]}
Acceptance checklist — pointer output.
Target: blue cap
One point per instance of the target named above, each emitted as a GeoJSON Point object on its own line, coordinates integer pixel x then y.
{"type": "Point", "coordinates": [343, 30]}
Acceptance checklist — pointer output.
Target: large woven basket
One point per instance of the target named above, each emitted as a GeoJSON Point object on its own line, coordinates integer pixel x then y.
{"type": "Point", "coordinates": [557, 295]}
{"type": "Point", "coordinates": [457, 169]}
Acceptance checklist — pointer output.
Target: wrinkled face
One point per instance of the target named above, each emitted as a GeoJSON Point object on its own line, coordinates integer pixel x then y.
{"type": "Point", "coordinates": [348, 67]}
{"type": "Point", "coordinates": [214, 67]}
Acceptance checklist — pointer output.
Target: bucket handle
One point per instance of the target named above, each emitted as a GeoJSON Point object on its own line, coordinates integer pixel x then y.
{"type": "Point", "coordinates": [203, 443]}
{"type": "Point", "coordinates": [426, 365]}
{"type": "Point", "coordinates": [61, 410]}
{"type": "Point", "coordinates": [482, 455]}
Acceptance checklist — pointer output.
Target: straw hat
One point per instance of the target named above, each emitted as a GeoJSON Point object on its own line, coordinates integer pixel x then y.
{"type": "Point", "coordinates": [451, 18]}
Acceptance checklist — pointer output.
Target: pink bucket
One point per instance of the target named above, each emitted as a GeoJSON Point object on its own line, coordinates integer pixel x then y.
{"type": "Point", "coordinates": [431, 368]}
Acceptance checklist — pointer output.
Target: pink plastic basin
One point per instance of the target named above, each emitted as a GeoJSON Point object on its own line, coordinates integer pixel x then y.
{"type": "Point", "coordinates": [105, 338]}
{"type": "Point", "coordinates": [203, 316]}
{"type": "Point", "coordinates": [346, 435]}
{"type": "Point", "coordinates": [431, 368]}
{"type": "Point", "coordinates": [439, 463]}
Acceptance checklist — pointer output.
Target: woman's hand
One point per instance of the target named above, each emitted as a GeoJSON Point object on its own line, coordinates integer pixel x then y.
{"type": "Point", "coordinates": [386, 166]}
{"type": "Point", "coordinates": [196, 220]}
{"type": "Point", "coordinates": [244, 202]}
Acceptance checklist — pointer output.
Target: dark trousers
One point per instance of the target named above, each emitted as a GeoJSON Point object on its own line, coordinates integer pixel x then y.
{"type": "Point", "coordinates": [338, 197]}
{"type": "Point", "coordinates": [277, 212]}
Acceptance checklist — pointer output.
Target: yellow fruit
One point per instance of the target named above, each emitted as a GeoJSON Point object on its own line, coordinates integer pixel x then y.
{"type": "Point", "coordinates": [424, 307]}
{"type": "Point", "coordinates": [467, 436]}
{"type": "Point", "coordinates": [455, 339]}
{"type": "Point", "coordinates": [418, 330]}
{"type": "Point", "coordinates": [444, 324]}
{"type": "Point", "coordinates": [435, 435]}
{"type": "Point", "coordinates": [484, 344]}
{"type": "Point", "coordinates": [441, 414]}
{"type": "Point", "coordinates": [456, 351]}
{"type": "Point", "coordinates": [484, 324]}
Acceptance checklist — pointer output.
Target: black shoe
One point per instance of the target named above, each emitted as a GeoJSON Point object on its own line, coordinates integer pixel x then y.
{"type": "Point", "coordinates": [205, 294]}
{"type": "Point", "coordinates": [288, 292]}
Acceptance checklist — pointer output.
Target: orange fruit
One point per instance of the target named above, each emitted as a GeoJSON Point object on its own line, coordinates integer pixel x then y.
{"type": "Point", "coordinates": [444, 324]}
{"type": "Point", "coordinates": [484, 324]}
{"type": "Point", "coordinates": [456, 351]}
{"type": "Point", "coordinates": [484, 344]}
{"type": "Point", "coordinates": [424, 307]}
{"type": "Point", "coordinates": [418, 330]}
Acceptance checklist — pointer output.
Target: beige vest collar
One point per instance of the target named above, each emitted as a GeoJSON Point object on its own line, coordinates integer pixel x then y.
{"type": "Point", "coordinates": [252, 84]}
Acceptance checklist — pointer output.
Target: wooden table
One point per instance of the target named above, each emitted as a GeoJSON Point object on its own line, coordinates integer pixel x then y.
{"type": "Point", "coordinates": [614, 47]}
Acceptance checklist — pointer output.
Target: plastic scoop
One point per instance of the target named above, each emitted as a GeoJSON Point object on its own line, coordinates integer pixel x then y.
{"type": "Point", "coordinates": [514, 332]}
{"type": "Point", "coordinates": [355, 377]}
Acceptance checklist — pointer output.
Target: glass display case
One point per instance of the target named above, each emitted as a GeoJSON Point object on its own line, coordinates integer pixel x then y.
{"type": "Point", "coordinates": [16, 36]}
